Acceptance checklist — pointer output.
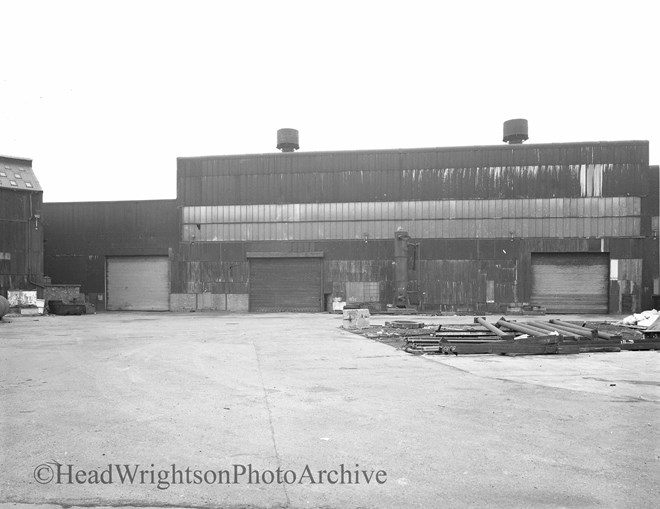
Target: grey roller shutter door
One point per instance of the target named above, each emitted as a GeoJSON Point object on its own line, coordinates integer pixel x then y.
{"type": "Point", "coordinates": [571, 282]}
{"type": "Point", "coordinates": [138, 283]}
{"type": "Point", "coordinates": [285, 284]}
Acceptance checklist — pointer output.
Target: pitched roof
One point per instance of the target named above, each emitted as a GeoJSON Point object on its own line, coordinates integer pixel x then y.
{"type": "Point", "coordinates": [17, 174]}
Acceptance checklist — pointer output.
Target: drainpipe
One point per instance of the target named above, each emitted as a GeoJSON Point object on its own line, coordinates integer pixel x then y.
{"type": "Point", "coordinates": [515, 282]}
{"type": "Point", "coordinates": [28, 247]}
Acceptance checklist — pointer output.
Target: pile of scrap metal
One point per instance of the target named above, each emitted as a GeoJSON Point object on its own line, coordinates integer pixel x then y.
{"type": "Point", "coordinates": [507, 337]}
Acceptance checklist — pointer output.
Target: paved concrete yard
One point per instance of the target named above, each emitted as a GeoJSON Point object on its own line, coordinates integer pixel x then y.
{"type": "Point", "coordinates": [211, 393]}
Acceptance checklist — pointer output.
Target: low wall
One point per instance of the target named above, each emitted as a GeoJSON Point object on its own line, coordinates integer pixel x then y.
{"type": "Point", "coordinates": [234, 302]}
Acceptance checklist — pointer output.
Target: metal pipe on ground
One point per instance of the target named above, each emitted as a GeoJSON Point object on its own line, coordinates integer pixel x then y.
{"type": "Point", "coordinates": [608, 336]}
{"type": "Point", "coordinates": [581, 331]}
{"type": "Point", "coordinates": [521, 328]}
{"type": "Point", "coordinates": [604, 335]}
{"type": "Point", "coordinates": [529, 326]}
{"type": "Point", "coordinates": [459, 340]}
{"type": "Point", "coordinates": [552, 328]}
{"type": "Point", "coordinates": [490, 326]}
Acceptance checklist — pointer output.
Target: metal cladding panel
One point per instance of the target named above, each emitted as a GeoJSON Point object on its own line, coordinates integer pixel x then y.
{"type": "Point", "coordinates": [14, 213]}
{"type": "Point", "coordinates": [571, 282]}
{"type": "Point", "coordinates": [550, 217]}
{"type": "Point", "coordinates": [21, 239]}
{"type": "Point", "coordinates": [138, 283]}
{"type": "Point", "coordinates": [13, 244]}
{"type": "Point", "coordinates": [94, 230]}
{"type": "Point", "coordinates": [286, 284]}
{"type": "Point", "coordinates": [496, 172]}
{"type": "Point", "coordinates": [651, 202]}
{"type": "Point", "coordinates": [14, 206]}
{"type": "Point", "coordinates": [107, 228]}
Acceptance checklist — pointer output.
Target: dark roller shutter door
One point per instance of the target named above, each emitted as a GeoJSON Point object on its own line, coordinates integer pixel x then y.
{"type": "Point", "coordinates": [138, 283]}
{"type": "Point", "coordinates": [285, 284]}
{"type": "Point", "coordinates": [571, 282]}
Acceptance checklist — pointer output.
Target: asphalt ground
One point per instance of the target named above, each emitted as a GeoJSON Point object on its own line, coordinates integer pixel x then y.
{"type": "Point", "coordinates": [289, 410]}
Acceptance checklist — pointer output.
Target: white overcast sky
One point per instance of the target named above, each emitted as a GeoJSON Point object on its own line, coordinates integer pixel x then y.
{"type": "Point", "coordinates": [103, 96]}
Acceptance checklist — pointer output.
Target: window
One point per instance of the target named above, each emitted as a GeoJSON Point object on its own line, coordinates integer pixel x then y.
{"type": "Point", "coordinates": [3, 174]}
{"type": "Point", "coordinates": [362, 292]}
{"type": "Point", "coordinates": [28, 184]}
{"type": "Point", "coordinates": [16, 175]}
{"type": "Point", "coordinates": [13, 183]}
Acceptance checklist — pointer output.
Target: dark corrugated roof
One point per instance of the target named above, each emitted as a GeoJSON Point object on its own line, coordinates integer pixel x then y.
{"type": "Point", "coordinates": [17, 174]}
{"type": "Point", "coordinates": [459, 148]}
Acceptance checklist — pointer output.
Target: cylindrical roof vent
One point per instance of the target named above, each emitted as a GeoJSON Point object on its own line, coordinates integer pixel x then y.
{"type": "Point", "coordinates": [515, 131]}
{"type": "Point", "coordinates": [287, 140]}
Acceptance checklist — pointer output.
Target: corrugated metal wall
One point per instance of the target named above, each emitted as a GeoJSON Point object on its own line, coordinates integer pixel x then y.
{"type": "Point", "coordinates": [454, 274]}
{"type": "Point", "coordinates": [498, 172]}
{"type": "Point", "coordinates": [478, 213]}
{"type": "Point", "coordinates": [79, 237]}
{"type": "Point", "coordinates": [550, 217]}
{"type": "Point", "coordinates": [21, 240]}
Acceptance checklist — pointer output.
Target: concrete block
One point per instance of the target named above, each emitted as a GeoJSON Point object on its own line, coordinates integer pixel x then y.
{"type": "Point", "coordinates": [211, 302]}
{"type": "Point", "coordinates": [204, 301]}
{"type": "Point", "coordinates": [238, 302]}
{"type": "Point", "coordinates": [219, 302]}
{"type": "Point", "coordinates": [22, 298]}
{"type": "Point", "coordinates": [31, 311]}
{"type": "Point", "coordinates": [356, 318]}
{"type": "Point", "coordinates": [183, 302]}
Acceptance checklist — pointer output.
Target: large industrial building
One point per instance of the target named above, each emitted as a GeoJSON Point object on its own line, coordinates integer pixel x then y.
{"type": "Point", "coordinates": [21, 226]}
{"type": "Point", "coordinates": [570, 227]}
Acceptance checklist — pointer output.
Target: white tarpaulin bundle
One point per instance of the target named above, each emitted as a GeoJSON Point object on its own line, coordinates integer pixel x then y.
{"type": "Point", "coordinates": [644, 319]}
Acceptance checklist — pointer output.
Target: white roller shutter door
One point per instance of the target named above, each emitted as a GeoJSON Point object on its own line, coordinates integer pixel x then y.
{"type": "Point", "coordinates": [138, 283]}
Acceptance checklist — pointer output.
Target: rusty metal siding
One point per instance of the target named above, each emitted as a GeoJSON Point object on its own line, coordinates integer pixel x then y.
{"type": "Point", "coordinates": [497, 172]}
{"type": "Point", "coordinates": [492, 207]}
{"type": "Point", "coordinates": [462, 284]}
{"type": "Point", "coordinates": [505, 262]}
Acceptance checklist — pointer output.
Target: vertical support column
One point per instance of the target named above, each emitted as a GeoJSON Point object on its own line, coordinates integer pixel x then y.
{"type": "Point", "coordinates": [401, 239]}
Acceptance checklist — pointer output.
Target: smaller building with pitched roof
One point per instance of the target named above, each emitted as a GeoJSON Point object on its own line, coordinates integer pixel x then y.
{"type": "Point", "coordinates": [21, 226]}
